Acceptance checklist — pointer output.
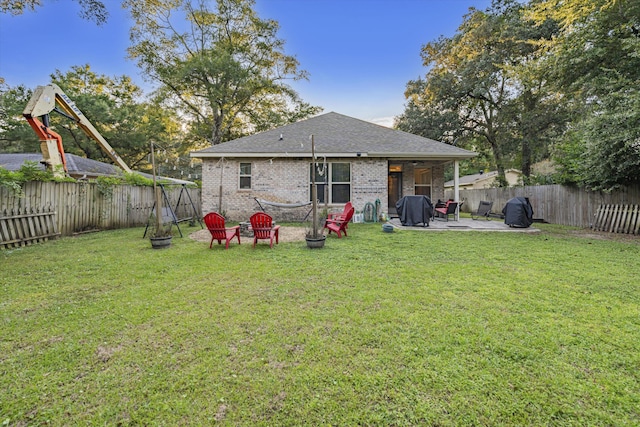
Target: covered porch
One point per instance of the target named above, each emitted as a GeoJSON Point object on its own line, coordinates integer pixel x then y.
{"type": "Point", "coordinates": [419, 177]}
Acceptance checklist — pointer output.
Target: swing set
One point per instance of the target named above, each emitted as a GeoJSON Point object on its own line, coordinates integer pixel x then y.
{"type": "Point", "coordinates": [169, 214]}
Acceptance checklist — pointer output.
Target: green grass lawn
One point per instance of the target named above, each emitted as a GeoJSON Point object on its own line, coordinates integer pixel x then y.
{"type": "Point", "coordinates": [403, 328]}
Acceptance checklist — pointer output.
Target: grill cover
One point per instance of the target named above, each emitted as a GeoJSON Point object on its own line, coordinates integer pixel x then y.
{"type": "Point", "coordinates": [414, 210]}
{"type": "Point", "coordinates": [518, 212]}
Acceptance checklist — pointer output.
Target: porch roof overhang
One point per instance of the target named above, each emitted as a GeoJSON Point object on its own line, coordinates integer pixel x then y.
{"type": "Point", "coordinates": [421, 156]}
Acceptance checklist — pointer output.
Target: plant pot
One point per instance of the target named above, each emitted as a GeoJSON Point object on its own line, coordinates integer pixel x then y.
{"type": "Point", "coordinates": [160, 242]}
{"type": "Point", "coordinates": [315, 243]}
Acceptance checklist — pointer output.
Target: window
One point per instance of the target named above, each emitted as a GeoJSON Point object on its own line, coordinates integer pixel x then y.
{"type": "Point", "coordinates": [245, 175]}
{"type": "Point", "coordinates": [333, 181]}
{"type": "Point", "coordinates": [423, 182]}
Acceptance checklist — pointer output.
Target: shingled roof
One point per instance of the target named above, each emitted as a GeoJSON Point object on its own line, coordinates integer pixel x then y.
{"type": "Point", "coordinates": [75, 164]}
{"type": "Point", "coordinates": [78, 167]}
{"type": "Point", "coordinates": [335, 135]}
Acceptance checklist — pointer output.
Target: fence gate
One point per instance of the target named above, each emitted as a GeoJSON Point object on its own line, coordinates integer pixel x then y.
{"type": "Point", "coordinates": [21, 227]}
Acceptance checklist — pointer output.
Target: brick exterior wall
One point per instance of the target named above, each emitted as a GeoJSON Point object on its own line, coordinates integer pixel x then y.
{"type": "Point", "coordinates": [277, 180]}
{"type": "Point", "coordinates": [287, 181]}
{"type": "Point", "coordinates": [437, 183]}
{"type": "Point", "coordinates": [369, 183]}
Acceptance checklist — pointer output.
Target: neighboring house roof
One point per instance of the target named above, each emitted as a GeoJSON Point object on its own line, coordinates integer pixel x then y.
{"type": "Point", "coordinates": [478, 180]}
{"type": "Point", "coordinates": [78, 167]}
{"type": "Point", "coordinates": [335, 135]}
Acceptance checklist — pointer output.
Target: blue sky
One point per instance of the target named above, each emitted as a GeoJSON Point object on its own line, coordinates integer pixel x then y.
{"type": "Point", "coordinates": [359, 53]}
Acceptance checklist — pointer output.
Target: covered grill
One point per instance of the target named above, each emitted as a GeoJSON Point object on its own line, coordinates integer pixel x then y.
{"type": "Point", "coordinates": [518, 212]}
{"type": "Point", "coordinates": [414, 210]}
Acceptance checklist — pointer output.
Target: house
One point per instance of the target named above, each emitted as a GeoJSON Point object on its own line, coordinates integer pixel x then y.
{"type": "Point", "coordinates": [356, 161]}
{"type": "Point", "coordinates": [485, 180]}
{"type": "Point", "coordinates": [77, 167]}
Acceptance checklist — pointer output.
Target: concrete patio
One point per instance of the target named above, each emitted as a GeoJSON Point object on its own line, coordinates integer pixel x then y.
{"type": "Point", "coordinates": [465, 224]}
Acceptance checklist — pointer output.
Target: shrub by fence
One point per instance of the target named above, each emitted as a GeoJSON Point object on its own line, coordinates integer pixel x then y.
{"type": "Point", "coordinates": [556, 204]}
{"type": "Point", "coordinates": [79, 207]}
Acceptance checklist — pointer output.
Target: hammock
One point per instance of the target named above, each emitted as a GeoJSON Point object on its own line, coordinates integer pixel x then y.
{"type": "Point", "coordinates": [261, 202]}
{"type": "Point", "coordinates": [280, 205]}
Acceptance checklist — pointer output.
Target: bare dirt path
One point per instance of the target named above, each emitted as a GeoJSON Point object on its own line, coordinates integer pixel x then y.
{"type": "Point", "coordinates": [286, 234]}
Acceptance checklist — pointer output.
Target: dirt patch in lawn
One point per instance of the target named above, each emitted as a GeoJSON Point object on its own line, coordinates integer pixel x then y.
{"type": "Point", "coordinates": [603, 235]}
{"type": "Point", "coordinates": [286, 234]}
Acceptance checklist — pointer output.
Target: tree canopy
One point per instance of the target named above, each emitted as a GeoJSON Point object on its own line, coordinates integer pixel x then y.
{"type": "Point", "coordinates": [477, 91]}
{"type": "Point", "coordinates": [220, 72]}
{"type": "Point", "coordinates": [92, 10]}
{"type": "Point", "coordinates": [596, 63]}
{"type": "Point", "coordinates": [523, 82]}
{"type": "Point", "coordinates": [223, 68]}
{"type": "Point", "coordinates": [15, 133]}
{"type": "Point", "coordinates": [112, 104]}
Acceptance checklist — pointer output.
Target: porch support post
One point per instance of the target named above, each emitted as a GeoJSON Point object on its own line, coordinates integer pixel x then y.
{"type": "Point", "coordinates": [456, 186]}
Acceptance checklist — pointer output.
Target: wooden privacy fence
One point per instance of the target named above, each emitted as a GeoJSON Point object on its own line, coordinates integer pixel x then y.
{"type": "Point", "coordinates": [618, 219]}
{"type": "Point", "coordinates": [556, 204]}
{"type": "Point", "coordinates": [24, 226]}
{"type": "Point", "coordinates": [79, 207]}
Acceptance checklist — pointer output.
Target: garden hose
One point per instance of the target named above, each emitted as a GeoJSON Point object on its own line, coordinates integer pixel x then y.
{"type": "Point", "coordinates": [369, 212]}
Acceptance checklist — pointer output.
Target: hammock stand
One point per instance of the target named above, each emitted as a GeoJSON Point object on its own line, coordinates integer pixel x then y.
{"type": "Point", "coordinates": [261, 202]}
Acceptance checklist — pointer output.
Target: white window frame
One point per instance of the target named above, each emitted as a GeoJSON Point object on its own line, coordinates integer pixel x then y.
{"type": "Point", "coordinates": [244, 175]}
{"type": "Point", "coordinates": [416, 185]}
{"type": "Point", "coordinates": [330, 183]}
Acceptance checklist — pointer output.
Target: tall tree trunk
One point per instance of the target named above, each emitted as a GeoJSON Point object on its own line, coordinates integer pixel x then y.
{"type": "Point", "coordinates": [497, 154]}
{"type": "Point", "coordinates": [528, 131]}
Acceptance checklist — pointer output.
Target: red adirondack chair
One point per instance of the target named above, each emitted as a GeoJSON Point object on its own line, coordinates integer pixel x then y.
{"type": "Point", "coordinates": [215, 224]}
{"type": "Point", "coordinates": [340, 215]}
{"type": "Point", "coordinates": [262, 225]}
{"type": "Point", "coordinates": [339, 225]}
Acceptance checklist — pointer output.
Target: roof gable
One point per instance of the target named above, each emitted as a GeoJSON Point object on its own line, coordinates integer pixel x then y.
{"type": "Point", "coordinates": [334, 135]}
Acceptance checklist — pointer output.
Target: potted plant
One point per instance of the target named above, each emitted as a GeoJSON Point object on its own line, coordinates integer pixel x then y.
{"type": "Point", "coordinates": [161, 235]}
{"type": "Point", "coordinates": [315, 237]}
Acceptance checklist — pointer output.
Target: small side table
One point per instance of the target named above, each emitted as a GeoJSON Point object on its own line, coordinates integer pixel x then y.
{"type": "Point", "coordinates": [245, 229]}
